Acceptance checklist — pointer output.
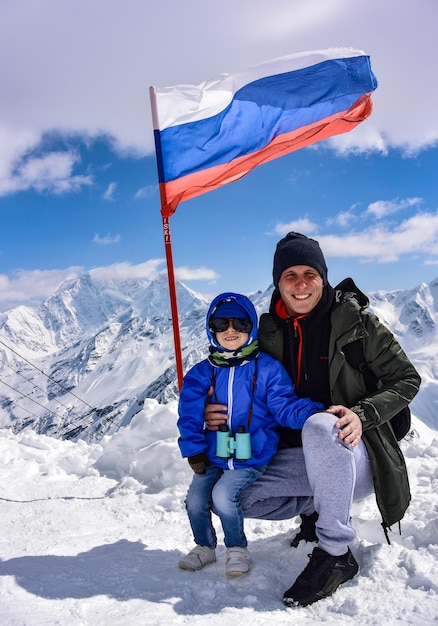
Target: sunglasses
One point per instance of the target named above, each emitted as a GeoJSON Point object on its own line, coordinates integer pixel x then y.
{"type": "Point", "coordinates": [240, 325]}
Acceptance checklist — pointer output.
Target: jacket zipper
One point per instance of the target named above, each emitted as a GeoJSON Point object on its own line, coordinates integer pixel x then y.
{"type": "Point", "coordinates": [230, 408]}
{"type": "Point", "coordinates": [298, 334]}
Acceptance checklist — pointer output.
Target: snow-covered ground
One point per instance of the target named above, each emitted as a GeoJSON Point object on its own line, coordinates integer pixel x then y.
{"type": "Point", "coordinates": [91, 535]}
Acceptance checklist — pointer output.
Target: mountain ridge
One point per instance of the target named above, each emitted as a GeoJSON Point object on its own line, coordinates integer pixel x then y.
{"type": "Point", "coordinates": [82, 363]}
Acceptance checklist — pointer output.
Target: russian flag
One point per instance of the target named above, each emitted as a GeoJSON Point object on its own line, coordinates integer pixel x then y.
{"type": "Point", "coordinates": [214, 133]}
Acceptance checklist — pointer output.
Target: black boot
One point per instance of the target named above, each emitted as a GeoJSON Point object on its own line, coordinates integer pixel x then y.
{"type": "Point", "coordinates": [321, 577]}
{"type": "Point", "coordinates": [307, 530]}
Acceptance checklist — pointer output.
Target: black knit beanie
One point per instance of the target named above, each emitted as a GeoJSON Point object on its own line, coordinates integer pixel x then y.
{"type": "Point", "coordinates": [297, 249]}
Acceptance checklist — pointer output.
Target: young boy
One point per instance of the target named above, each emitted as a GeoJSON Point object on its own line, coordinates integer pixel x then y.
{"type": "Point", "coordinates": [260, 396]}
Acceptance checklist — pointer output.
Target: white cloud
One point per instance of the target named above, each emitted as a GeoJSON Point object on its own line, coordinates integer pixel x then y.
{"type": "Point", "coordinates": [52, 172]}
{"type": "Point", "coordinates": [383, 208]}
{"type": "Point", "coordinates": [146, 192]}
{"type": "Point", "coordinates": [148, 270]}
{"type": "Point", "coordinates": [199, 273]}
{"type": "Point", "coordinates": [151, 269]}
{"type": "Point", "coordinates": [417, 235]}
{"type": "Point", "coordinates": [106, 240]}
{"type": "Point", "coordinates": [25, 286]}
{"type": "Point", "coordinates": [302, 225]}
{"type": "Point", "coordinates": [98, 87]}
{"type": "Point", "coordinates": [109, 193]}
{"type": "Point", "coordinates": [13, 144]}
{"type": "Point", "coordinates": [384, 242]}
{"type": "Point", "coordinates": [344, 218]}
{"type": "Point", "coordinates": [366, 138]}
{"type": "Point", "coordinates": [31, 287]}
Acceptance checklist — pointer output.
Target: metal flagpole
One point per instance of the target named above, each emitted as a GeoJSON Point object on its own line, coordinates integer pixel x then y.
{"type": "Point", "coordinates": [173, 300]}
{"type": "Point", "coordinates": [169, 255]}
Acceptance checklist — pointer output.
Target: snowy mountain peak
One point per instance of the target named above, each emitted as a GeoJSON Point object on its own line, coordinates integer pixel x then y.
{"type": "Point", "coordinates": [84, 361]}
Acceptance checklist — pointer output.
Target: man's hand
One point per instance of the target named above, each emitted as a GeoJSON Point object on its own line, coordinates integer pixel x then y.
{"type": "Point", "coordinates": [349, 424]}
{"type": "Point", "coordinates": [215, 414]}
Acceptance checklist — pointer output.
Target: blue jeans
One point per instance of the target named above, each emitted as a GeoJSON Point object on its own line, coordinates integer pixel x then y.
{"type": "Point", "coordinates": [219, 490]}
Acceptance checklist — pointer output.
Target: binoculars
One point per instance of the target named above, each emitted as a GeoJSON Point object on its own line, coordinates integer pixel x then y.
{"type": "Point", "coordinates": [228, 446]}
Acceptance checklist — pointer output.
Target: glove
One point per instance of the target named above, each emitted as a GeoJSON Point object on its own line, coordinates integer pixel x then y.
{"type": "Point", "coordinates": [198, 463]}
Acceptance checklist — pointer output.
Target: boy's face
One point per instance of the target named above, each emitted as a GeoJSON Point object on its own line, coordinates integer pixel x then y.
{"type": "Point", "coordinates": [231, 339]}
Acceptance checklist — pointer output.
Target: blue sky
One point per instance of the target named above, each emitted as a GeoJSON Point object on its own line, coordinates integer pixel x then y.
{"type": "Point", "coordinates": [78, 181]}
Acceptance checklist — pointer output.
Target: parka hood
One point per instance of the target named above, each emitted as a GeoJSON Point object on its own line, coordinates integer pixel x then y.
{"type": "Point", "coordinates": [348, 290]}
{"type": "Point", "coordinates": [242, 301]}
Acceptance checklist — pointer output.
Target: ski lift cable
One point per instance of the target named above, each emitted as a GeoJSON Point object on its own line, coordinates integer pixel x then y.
{"type": "Point", "coordinates": [20, 407]}
{"type": "Point", "coordinates": [65, 421]}
{"type": "Point", "coordinates": [44, 373]}
{"type": "Point", "coordinates": [39, 388]}
{"type": "Point", "coordinates": [31, 399]}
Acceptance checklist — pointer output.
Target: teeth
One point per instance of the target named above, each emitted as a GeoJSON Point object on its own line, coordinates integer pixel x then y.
{"type": "Point", "coordinates": [302, 297]}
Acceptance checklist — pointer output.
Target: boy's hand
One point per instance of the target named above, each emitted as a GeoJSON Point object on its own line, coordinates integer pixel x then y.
{"type": "Point", "coordinates": [198, 463]}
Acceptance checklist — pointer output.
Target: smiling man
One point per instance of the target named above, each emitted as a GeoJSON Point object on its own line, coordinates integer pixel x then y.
{"type": "Point", "coordinates": [300, 273]}
{"type": "Point", "coordinates": [347, 452]}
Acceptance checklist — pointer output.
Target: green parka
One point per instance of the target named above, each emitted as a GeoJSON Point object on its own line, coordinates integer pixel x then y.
{"type": "Point", "coordinates": [400, 383]}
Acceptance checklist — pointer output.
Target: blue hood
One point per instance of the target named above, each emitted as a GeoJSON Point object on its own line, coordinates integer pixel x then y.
{"type": "Point", "coordinates": [245, 303]}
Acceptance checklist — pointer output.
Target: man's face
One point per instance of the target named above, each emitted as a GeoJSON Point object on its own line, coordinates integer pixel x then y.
{"type": "Point", "coordinates": [300, 288]}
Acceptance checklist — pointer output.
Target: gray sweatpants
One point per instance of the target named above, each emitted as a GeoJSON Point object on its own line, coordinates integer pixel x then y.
{"type": "Point", "coordinates": [324, 475]}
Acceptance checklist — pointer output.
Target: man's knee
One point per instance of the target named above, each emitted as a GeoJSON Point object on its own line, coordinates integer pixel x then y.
{"type": "Point", "coordinates": [320, 425]}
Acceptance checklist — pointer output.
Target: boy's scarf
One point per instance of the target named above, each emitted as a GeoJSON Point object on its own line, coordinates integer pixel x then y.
{"type": "Point", "coordinates": [236, 358]}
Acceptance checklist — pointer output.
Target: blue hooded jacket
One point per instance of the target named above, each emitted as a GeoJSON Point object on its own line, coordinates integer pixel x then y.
{"type": "Point", "coordinates": [254, 386]}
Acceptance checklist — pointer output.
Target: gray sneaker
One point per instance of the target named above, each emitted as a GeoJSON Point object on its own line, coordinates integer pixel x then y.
{"type": "Point", "coordinates": [198, 558]}
{"type": "Point", "coordinates": [237, 562]}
